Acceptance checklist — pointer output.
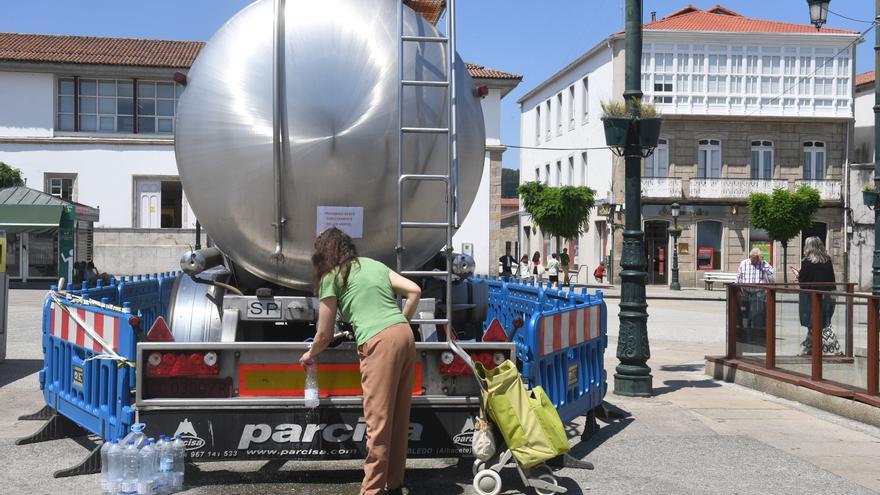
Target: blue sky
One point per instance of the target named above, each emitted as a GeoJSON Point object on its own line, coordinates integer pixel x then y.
{"type": "Point", "coordinates": [534, 38]}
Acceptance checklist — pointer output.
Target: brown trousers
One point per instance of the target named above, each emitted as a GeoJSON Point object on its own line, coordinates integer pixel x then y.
{"type": "Point", "coordinates": [387, 369]}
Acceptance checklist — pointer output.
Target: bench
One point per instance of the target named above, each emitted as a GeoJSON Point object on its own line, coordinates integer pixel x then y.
{"type": "Point", "coordinates": [710, 278]}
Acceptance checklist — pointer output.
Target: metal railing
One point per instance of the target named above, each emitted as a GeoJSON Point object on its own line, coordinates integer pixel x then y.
{"type": "Point", "coordinates": [765, 323]}
{"type": "Point", "coordinates": [661, 187]}
{"type": "Point", "coordinates": [829, 190]}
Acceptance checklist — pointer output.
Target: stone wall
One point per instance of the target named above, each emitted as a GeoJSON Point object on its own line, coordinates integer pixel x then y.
{"type": "Point", "coordinates": [139, 251]}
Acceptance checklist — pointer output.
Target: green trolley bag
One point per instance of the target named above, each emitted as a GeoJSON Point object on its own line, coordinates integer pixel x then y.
{"type": "Point", "coordinates": [527, 419]}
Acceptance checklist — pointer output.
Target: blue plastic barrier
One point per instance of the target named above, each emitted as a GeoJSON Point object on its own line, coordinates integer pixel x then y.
{"type": "Point", "coordinates": [561, 342]}
{"type": "Point", "coordinates": [96, 394]}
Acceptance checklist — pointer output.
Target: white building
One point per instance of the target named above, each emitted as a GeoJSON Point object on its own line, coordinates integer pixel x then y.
{"type": "Point", "coordinates": [863, 151]}
{"type": "Point", "coordinates": [561, 118]}
{"type": "Point", "coordinates": [749, 105]}
{"type": "Point", "coordinates": [92, 119]}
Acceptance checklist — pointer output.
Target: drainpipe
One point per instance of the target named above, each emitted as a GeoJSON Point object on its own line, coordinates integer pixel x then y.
{"type": "Point", "coordinates": [846, 236]}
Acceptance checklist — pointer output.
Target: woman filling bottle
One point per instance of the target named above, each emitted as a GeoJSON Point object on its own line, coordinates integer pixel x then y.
{"type": "Point", "coordinates": [363, 290]}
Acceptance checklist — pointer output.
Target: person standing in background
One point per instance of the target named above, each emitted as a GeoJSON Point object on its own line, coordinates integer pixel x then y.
{"type": "Point", "coordinates": [507, 261]}
{"type": "Point", "coordinates": [536, 268]}
{"type": "Point", "coordinates": [753, 302]}
{"type": "Point", "coordinates": [563, 263]}
{"type": "Point", "coordinates": [553, 270]}
{"type": "Point", "coordinates": [816, 268]}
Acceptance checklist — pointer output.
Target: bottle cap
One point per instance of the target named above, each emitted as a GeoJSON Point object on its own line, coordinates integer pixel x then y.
{"type": "Point", "coordinates": [138, 427]}
{"type": "Point", "coordinates": [131, 442]}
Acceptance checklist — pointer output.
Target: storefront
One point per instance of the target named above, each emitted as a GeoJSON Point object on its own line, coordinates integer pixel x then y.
{"type": "Point", "coordinates": [45, 235]}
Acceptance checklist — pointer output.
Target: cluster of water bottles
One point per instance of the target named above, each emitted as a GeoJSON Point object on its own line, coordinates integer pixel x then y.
{"type": "Point", "coordinates": [137, 465]}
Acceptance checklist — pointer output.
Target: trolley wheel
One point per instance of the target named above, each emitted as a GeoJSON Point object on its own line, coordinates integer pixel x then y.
{"type": "Point", "coordinates": [487, 482]}
{"type": "Point", "coordinates": [548, 478]}
{"type": "Point", "coordinates": [478, 466]}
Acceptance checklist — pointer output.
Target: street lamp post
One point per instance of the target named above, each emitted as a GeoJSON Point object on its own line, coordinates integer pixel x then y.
{"type": "Point", "coordinates": [675, 231]}
{"type": "Point", "coordinates": [633, 376]}
{"type": "Point", "coordinates": [818, 16]}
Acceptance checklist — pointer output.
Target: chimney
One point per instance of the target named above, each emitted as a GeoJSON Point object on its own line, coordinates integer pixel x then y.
{"type": "Point", "coordinates": [653, 16]}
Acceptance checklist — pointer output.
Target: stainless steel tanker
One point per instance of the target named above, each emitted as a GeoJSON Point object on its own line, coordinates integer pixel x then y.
{"type": "Point", "coordinates": [340, 65]}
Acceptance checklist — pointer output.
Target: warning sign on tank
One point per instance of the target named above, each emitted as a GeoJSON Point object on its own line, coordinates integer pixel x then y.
{"type": "Point", "coordinates": [349, 219]}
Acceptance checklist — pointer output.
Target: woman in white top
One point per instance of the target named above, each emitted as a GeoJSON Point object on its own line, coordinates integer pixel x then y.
{"type": "Point", "coordinates": [553, 270]}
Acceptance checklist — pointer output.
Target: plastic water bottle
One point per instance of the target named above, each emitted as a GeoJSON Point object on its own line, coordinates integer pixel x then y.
{"type": "Point", "coordinates": [164, 478]}
{"type": "Point", "coordinates": [129, 469]}
{"type": "Point", "coordinates": [146, 484]}
{"type": "Point", "coordinates": [178, 449]}
{"type": "Point", "coordinates": [311, 392]}
{"type": "Point", "coordinates": [136, 435]}
{"type": "Point", "coordinates": [109, 468]}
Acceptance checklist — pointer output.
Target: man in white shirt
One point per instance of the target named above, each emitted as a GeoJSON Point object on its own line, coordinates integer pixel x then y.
{"type": "Point", "coordinates": [753, 302]}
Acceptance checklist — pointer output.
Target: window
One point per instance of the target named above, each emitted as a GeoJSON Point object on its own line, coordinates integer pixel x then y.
{"type": "Point", "coordinates": [736, 84]}
{"type": "Point", "coordinates": [547, 174]}
{"type": "Point", "coordinates": [762, 159]}
{"type": "Point", "coordinates": [61, 186]}
{"type": "Point", "coordinates": [657, 165]}
{"type": "Point", "coordinates": [108, 105]}
{"type": "Point", "coordinates": [770, 85]}
{"type": "Point", "coordinates": [663, 84]}
{"type": "Point", "coordinates": [736, 64]}
{"type": "Point", "coordinates": [804, 65]}
{"type": "Point", "coordinates": [547, 119]}
{"type": "Point", "coordinates": [570, 179]}
{"type": "Point", "coordinates": [770, 65]}
{"type": "Point", "coordinates": [558, 173]}
{"type": "Point", "coordinates": [584, 168]}
{"type": "Point", "coordinates": [697, 84]}
{"type": "Point", "coordinates": [814, 160]}
{"type": "Point", "coordinates": [717, 84]}
{"type": "Point", "coordinates": [159, 203]}
{"type": "Point", "coordinates": [751, 64]}
{"type": "Point", "coordinates": [709, 159]}
{"type": "Point", "coordinates": [537, 125]}
{"type": "Point", "coordinates": [663, 63]}
{"type": "Point", "coordinates": [790, 64]}
{"type": "Point", "coordinates": [559, 114]}
{"type": "Point", "coordinates": [823, 86]}
{"type": "Point", "coordinates": [585, 98]}
{"type": "Point", "coordinates": [717, 64]}
{"type": "Point", "coordinates": [699, 65]}
{"type": "Point", "coordinates": [709, 233]}
{"type": "Point", "coordinates": [537, 173]}
{"type": "Point", "coordinates": [571, 107]}
{"type": "Point", "coordinates": [824, 66]}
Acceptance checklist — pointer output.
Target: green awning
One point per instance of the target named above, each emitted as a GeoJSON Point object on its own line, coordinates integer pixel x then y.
{"type": "Point", "coordinates": [32, 218]}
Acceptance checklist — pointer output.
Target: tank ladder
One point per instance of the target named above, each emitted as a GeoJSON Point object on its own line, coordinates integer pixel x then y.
{"type": "Point", "coordinates": [450, 178]}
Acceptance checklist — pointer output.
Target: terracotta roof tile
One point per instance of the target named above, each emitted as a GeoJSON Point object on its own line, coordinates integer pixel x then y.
{"type": "Point", "coordinates": [719, 18]}
{"type": "Point", "coordinates": [488, 73]}
{"type": "Point", "coordinates": [429, 9]}
{"type": "Point", "coordinates": [97, 51]}
{"type": "Point", "coordinates": [90, 50]}
{"type": "Point", "coordinates": [865, 78]}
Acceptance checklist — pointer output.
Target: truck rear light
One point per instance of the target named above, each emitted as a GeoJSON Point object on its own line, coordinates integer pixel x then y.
{"type": "Point", "coordinates": [182, 364]}
{"type": "Point", "coordinates": [458, 367]}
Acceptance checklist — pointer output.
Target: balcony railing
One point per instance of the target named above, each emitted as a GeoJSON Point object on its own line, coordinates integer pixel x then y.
{"type": "Point", "coordinates": [829, 190]}
{"type": "Point", "coordinates": [725, 188]}
{"type": "Point", "coordinates": [661, 187]}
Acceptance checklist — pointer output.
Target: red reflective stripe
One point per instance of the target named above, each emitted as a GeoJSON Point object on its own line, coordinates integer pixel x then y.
{"type": "Point", "coordinates": [572, 328]}
{"type": "Point", "coordinates": [65, 325]}
{"type": "Point", "coordinates": [52, 322]}
{"type": "Point", "coordinates": [557, 332]}
{"type": "Point", "coordinates": [80, 333]}
{"type": "Point", "coordinates": [99, 330]}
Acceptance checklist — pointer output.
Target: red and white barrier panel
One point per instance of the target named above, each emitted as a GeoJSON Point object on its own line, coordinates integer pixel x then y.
{"type": "Point", "coordinates": [66, 328]}
{"type": "Point", "coordinates": [568, 329]}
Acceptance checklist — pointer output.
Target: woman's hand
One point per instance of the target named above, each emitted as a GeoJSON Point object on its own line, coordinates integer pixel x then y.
{"type": "Point", "coordinates": [308, 361]}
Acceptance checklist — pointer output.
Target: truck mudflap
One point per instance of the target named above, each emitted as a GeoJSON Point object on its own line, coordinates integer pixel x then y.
{"type": "Point", "coordinates": [327, 432]}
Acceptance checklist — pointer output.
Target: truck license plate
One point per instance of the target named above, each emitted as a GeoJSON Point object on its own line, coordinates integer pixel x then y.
{"type": "Point", "coordinates": [264, 309]}
{"type": "Point", "coordinates": [77, 376]}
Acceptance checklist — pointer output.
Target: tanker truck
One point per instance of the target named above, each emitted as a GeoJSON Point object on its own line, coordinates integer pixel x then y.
{"type": "Point", "coordinates": [296, 117]}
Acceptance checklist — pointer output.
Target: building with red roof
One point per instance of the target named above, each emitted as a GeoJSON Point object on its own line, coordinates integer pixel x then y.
{"type": "Point", "coordinates": [749, 105]}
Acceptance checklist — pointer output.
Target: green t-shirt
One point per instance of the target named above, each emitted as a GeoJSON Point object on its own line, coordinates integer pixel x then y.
{"type": "Point", "coordinates": [368, 301]}
{"type": "Point", "coordinates": [563, 259]}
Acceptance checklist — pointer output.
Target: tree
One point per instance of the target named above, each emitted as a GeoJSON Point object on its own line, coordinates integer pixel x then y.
{"type": "Point", "coordinates": [10, 177]}
{"type": "Point", "coordinates": [509, 182]}
{"type": "Point", "coordinates": [558, 211]}
{"type": "Point", "coordinates": [783, 215]}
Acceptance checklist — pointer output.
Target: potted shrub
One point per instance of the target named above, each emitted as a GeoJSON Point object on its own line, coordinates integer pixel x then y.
{"type": "Point", "coordinates": [649, 124]}
{"type": "Point", "coordinates": [617, 122]}
{"type": "Point", "coordinates": [869, 195]}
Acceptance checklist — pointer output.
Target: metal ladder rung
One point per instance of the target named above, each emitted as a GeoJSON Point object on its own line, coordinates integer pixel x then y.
{"type": "Point", "coordinates": [441, 321]}
{"type": "Point", "coordinates": [428, 39]}
{"type": "Point", "coordinates": [434, 84]}
{"type": "Point", "coordinates": [425, 130]}
{"type": "Point", "coordinates": [429, 177]}
{"type": "Point", "coordinates": [424, 273]}
{"type": "Point", "coordinates": [424, 225]}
